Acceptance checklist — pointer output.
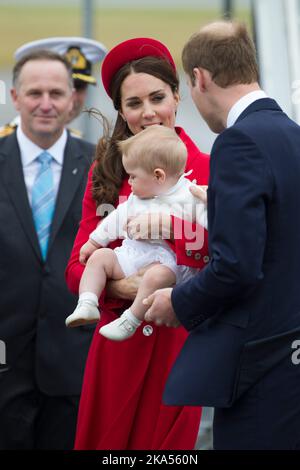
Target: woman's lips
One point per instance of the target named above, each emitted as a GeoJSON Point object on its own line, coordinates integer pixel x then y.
{"type": "Point", "coordinates": [152, 124]}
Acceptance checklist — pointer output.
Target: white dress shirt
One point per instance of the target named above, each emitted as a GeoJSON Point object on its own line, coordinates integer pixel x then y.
{"type": "Point", "coordinates": [242, 104]}
{"type": "Point", "coordinates": [29, 153]}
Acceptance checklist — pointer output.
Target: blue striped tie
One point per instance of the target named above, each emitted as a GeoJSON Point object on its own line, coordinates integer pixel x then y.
{"type": "Point", "coordinates": [43, 201]}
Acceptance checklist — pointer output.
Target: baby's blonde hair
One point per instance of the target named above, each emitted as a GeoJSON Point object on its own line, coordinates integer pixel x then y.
{"type": "Point", "coordinates": [156, 147]}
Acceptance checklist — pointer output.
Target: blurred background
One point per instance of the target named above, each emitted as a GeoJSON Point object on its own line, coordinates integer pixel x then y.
{"type": "Point", "coordinates": [273, 23]}
{"type": "Point", "coordinates": [110, 22]}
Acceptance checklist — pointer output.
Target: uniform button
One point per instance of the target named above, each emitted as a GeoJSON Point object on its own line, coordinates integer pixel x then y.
{"type": "Point", "coordinates": [206, 259]}
{"type": "Point", "coordinates": [197, 256]}
{"type": "Point", "coordinates": [188, 252]}
{"type": "Point", "coordinates": [147, 330]}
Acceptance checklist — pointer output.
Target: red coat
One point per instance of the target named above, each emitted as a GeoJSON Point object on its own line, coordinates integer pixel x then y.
{"type": "Point", "coordinates": [121, 402]}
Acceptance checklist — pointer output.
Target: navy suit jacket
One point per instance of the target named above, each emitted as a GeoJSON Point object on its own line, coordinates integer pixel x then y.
{"type": "Point", "coordinates": [34, 298]}
{"type": "Point", "coordinates": [243, 309]}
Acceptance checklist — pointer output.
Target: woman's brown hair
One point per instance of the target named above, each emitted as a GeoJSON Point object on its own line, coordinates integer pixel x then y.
{"type": "Point", "coordinates": [108, 172]}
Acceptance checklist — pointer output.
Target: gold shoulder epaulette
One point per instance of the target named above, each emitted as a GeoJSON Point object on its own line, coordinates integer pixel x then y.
{"type": "Point", "coordinates": [76, 133]}
{"type": "Point", "coordinates": [7, 129]}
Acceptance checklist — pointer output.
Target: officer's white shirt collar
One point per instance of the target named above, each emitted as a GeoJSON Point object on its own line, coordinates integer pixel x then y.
{"type": "Point", "coordinates": [242, 104]}
{"type": "Point", "coordinates": [30, 151]}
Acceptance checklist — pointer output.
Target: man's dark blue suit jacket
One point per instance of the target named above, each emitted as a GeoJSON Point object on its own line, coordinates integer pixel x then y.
{"type": "Point", "coordinates": [243, 309]}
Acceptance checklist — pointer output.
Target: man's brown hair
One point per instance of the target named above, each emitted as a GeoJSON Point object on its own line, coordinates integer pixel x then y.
{"type": "Point", "coordinates": [41, 54]}
{"type": "Point", "coordinates": [226, 50]}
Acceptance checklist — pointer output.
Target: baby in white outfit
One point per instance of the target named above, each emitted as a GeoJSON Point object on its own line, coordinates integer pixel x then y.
{"type": "Point", "coordinates": [155, 160]}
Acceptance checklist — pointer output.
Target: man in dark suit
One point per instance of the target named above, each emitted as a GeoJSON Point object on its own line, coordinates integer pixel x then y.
{"type": "Point", "coordinates": [41, 381]}
{"type": "Point", "coordinates": [243, 309]}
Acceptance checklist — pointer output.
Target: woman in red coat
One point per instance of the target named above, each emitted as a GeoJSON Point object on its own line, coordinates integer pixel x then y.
{"type": "Point", "coordinates": [121, 403]}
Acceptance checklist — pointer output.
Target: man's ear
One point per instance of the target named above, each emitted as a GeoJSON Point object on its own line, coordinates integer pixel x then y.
{"type": "Point", "coordinates": [71, 103]}
{"type": "Point", "coordinates": [14, 97]}
{"type": "Point", "coordinates": [202, 78]}
{"type": "Point", "coordinates": [159, 175]}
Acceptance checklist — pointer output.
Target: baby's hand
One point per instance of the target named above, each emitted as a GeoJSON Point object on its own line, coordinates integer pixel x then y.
{"type": "Point", "coordinates": [87, 250]}
{"type": "Point", "coordinates": [200, 192]}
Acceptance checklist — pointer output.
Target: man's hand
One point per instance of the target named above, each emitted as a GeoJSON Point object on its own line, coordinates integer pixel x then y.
{"type": "Point", "coordinates": [200, 192]}
{"type": "Point", "coordinates": [87, 250]}
{"type": "Point", "coordinates": [160, 308]}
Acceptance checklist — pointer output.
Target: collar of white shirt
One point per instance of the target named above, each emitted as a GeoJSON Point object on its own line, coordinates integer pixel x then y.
{"type": "Point", "coordinates": [30, 151]}
{"type": "Point", "coordinates": [242, 104]}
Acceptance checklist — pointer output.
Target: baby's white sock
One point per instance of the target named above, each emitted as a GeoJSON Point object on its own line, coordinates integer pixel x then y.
{"type": "Point", "coordinates": [131, 317]}
{"type": "Point", "coordinates": [90, 297]}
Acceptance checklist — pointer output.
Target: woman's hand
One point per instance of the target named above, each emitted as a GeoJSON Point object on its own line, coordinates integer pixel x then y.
{"type": "Point", "coordinates": [200, 192]}
{"type": "Point", "coordinates": [151, 226]}
{"type": "Point", "coordinates": [126, 288]}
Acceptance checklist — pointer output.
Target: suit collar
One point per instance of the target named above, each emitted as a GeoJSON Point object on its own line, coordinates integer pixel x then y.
{"type": "Point", "coordinates": [30, 151]}
{"type": "Point", "coordinates": [241, 104]}
{"type": "Point", "coordinates": [260, 105]}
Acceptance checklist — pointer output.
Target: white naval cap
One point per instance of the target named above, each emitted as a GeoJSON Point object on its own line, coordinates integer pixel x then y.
{"type": "Point", "coordinates": [80, 52]}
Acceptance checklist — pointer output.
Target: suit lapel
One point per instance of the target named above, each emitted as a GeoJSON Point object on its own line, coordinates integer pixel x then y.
{"type": "Point", "coordinates": [12, 176]}
{"type": "Point", "coordinates": [74, 167]}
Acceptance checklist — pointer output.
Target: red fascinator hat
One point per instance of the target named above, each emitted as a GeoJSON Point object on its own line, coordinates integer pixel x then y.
{"type": "Point", "coordinates": [130, 50]}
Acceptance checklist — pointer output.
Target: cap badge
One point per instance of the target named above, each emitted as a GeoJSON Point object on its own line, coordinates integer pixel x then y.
{"type": "Point", "coordinates": [76, 58]}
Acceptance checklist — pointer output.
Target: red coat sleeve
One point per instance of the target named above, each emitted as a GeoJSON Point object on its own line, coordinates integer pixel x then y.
{"type": "Point", "coordinates": [191, 240]}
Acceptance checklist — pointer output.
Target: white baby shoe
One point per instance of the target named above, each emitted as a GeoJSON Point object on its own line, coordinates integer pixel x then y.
{"type": "Point", "coordinates": [84, 314]}
{"type": "Point", "coordinates": [119, 329]}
